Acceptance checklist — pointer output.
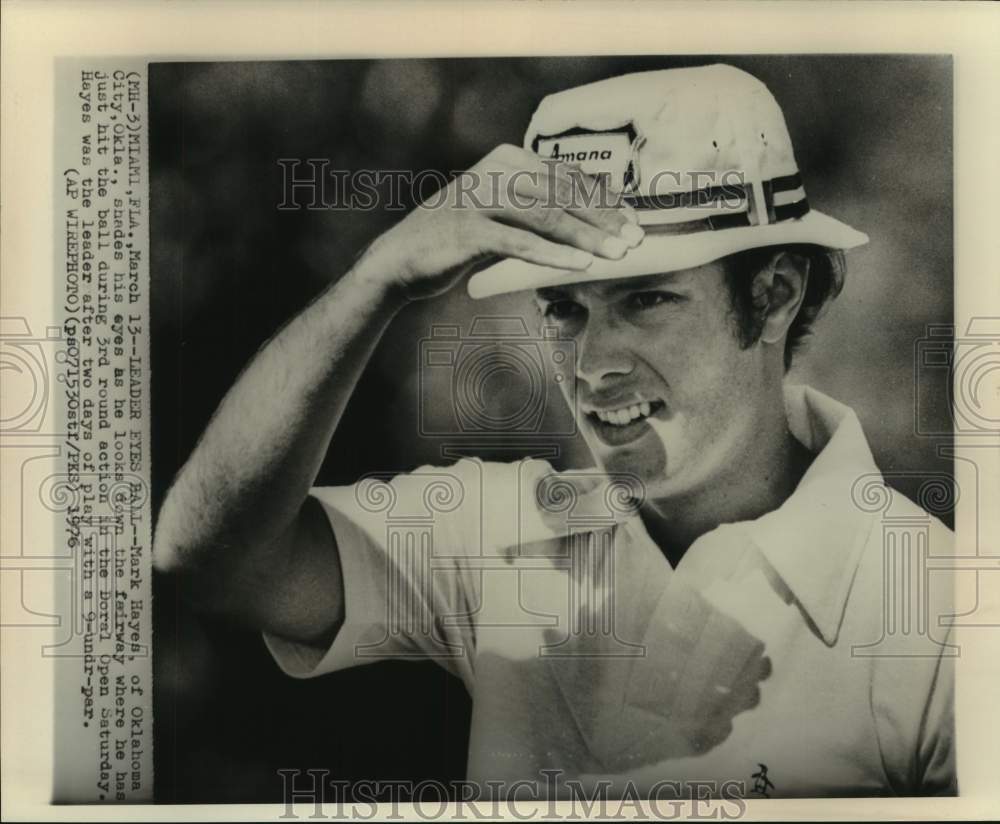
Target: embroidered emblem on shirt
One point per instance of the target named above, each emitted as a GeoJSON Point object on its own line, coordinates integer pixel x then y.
{"type": "Point", "coordinates": [762, 785]}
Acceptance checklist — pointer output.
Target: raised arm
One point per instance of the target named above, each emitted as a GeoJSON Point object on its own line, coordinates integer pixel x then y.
{"type": "Point", "coordinates": [238, 521]}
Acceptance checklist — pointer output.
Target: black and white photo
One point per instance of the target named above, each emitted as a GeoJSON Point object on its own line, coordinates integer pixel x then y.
{"type": "Point", "coordinates": [573, 377]}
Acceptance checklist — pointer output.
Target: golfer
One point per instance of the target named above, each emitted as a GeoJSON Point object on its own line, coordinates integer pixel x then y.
{"type": "Point", "coordinates": [707, 604]}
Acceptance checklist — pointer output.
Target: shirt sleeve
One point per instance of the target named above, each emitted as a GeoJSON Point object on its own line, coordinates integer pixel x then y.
{"type": "Point", "coordinates": [400, 541]}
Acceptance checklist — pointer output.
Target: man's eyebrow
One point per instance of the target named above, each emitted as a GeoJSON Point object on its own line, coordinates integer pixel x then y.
{"type": "Point", "coordinates": [614, 287]}
{"type": "Point", "coordinates": [552, 293]}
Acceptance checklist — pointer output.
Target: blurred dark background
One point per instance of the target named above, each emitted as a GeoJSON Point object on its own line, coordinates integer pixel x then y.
{"type": "Point", "coordinates": [873, 141]}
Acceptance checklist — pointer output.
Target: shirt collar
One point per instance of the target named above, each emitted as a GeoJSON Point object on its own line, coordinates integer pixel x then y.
{"type": "Point", "coordinates": [815, 538]}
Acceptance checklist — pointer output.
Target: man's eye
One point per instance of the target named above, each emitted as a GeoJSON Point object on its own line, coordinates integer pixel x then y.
{"type": "Point", "coordinates": [562, 309]}
{"type": "Point", "coordinates": [647, 300]}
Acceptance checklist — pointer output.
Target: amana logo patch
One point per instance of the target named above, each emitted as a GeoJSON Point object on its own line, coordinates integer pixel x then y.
{"type": "Point", "coordinates": [611, 152]}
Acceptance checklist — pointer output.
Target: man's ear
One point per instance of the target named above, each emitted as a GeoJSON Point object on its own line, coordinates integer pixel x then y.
{"type": "Point", "coordinates": [779, 289]}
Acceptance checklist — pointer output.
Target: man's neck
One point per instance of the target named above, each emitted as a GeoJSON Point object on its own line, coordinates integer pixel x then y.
{"type": "Point", "coordinates": [758, 482]}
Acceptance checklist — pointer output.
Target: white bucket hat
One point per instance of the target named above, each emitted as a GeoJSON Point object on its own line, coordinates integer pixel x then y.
{"type": "Point", "coordinates": [704, 156]}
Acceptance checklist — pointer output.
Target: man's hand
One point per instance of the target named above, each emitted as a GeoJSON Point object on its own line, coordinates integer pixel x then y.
{"type": "Point", "coordinates": [510, 204]}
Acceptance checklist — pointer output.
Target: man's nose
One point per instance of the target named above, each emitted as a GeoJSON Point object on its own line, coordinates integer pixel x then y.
{"type": "Point", "coordinates": [600, 357]}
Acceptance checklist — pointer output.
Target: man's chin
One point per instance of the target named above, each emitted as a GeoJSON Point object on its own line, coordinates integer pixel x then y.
{"type": "Point", "coordinates": [644, 461]}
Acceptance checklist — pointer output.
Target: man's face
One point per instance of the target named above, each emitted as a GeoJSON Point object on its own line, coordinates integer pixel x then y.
{"type": "Point", "coordinates": [664, 391]}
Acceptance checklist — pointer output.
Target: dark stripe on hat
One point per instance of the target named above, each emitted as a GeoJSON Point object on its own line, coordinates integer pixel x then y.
{"type": "Point", "coordinates": [746, 214]}
{"type": "Point", "coordinates": [788, 183]}
{"type": "Point", "coordinates": [768, 187]}
{"type": "Point", "coordinates": [735, 220]}
{"type": "Point", "coordinates": [689, 199]}
{"type": "Point", "coordinates": [790, 211]}
{"type": "Point", "coordinates": [727, 221]}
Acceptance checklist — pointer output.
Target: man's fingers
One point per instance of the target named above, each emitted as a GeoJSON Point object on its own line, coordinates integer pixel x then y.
{"type": "Point", "coordinates": [511, 241]}
{"type": "Point", "coordinates": [563, 227]}
{"type": "Point", "coordinates": [520, 176]}
{"type": "Point", "coordinates": [584, 196]}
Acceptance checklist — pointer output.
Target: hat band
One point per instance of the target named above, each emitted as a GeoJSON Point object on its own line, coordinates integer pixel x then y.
{"type": "Point", "coordinates": [726, 206]}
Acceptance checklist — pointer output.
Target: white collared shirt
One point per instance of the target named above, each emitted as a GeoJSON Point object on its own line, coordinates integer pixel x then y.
{"type": "Point", "coordinates": [798, 654]}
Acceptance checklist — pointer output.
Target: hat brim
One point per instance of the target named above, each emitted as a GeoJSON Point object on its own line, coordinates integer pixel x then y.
{"type": "Point", "coordinates": [668, 253]}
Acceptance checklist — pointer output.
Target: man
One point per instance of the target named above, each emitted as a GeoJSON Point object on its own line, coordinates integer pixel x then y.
{"type": "Point", "coordinates": [708, 607]}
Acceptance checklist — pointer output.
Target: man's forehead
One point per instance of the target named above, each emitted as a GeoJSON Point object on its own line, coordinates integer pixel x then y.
{"type": "Point", "coordinates": [612, 287]}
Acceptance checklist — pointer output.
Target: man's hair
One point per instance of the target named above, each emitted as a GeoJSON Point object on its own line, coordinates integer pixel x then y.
{"type": "Point", "coordinates": [826, 279]}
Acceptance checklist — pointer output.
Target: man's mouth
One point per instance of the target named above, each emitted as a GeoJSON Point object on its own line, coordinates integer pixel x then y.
{"type": "Point", "coordinates": [617, 426]}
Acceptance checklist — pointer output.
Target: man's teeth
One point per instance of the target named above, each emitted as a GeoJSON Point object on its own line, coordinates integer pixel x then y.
{"type": "Point", "coordinates": [625, 415]}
